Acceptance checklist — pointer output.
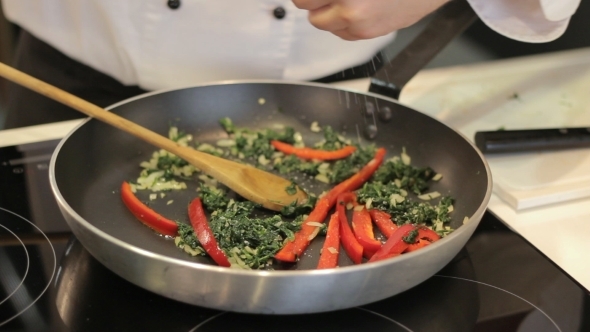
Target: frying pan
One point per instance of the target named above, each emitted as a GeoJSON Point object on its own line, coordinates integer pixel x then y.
{"type": "Point", "coordinates": [89, 165]}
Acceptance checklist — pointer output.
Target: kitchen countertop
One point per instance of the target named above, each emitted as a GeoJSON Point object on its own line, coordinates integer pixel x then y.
{"type": "Point", "coordinates": [544, 197]}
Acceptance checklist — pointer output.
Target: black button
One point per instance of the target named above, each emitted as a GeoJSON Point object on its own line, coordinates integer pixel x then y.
{"type": "Point", "coordinates": [279, 12]}
{"type": "Point", "coordinates": [174, 4]}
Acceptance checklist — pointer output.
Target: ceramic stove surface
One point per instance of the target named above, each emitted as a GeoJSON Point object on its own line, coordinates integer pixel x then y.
{"type": "Point", "coordinates": [49, 282]}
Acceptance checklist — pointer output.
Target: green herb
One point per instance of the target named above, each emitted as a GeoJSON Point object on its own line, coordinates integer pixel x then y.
{"type": "Point", "coordinates": [248, 240]}
{"type": "Point", "coordinates": [188, 238]}
{"type": "Point", "coordinates": [295, 209]}
{"type": "Point", "coordinates": [345, 168]}
{"type": "Point", "coordinates": [411, 237]}
{"type": "Point", "coordinates": [227, 125]}
{"type": "Point", "coordinates": [332, 141]}
{"type": "Point", "coordinates": [291, 164]}
{"type": "Point", "coordinates": [213, 198]}
{"type": "Point", "coordinates": [291, 189]}
{"type": "Point", "coordinates": [414, 179]}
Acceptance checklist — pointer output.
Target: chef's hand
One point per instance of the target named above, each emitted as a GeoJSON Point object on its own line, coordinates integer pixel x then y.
{"type": "Point", "coordinates": [366, 19]}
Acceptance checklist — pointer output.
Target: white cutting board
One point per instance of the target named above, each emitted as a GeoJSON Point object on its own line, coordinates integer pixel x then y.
{"type": "Point", "coordinates": [550, 92]}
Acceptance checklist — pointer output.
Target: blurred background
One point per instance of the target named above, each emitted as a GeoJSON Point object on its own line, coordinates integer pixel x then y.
{"type": "Point", "coordinates": [477, 44]}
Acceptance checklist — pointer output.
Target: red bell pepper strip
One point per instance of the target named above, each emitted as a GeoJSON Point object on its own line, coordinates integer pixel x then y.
{"type": "Point", "coordinates": [420, 243]}
{"type": "Point", "coordinates": [363, 231]}
{"type": "Point", "coordinates": [291, 250]}
{"type": "Point", "coordinates": [425, 237]}
{"type": "Point", "coordinates": [309, 153]}
{"type": "Point", "coordinates": [303, 237]}
{"type": "Point", "coordinates": [383, 221]}
{"type": "Point", "coordinates": [395, 245]}
{"type": "Point", "coordinates": [145, 214]}
{"type": "Point", "coordinates": [358, 179]}
{"type": "Point", "coordinates": [329, 255]}
{"type": "Point", "coordinates": [352, 247]}
{"type": "Point", "coordinates": [203, 232]}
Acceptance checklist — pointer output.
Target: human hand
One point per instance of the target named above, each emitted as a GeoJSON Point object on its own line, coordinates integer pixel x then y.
{"type": "Point", "coordinates": [366, 19]}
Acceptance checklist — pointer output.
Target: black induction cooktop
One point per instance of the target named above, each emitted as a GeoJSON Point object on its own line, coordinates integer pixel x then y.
{"type": "Point", "coordinates": [49, 282]}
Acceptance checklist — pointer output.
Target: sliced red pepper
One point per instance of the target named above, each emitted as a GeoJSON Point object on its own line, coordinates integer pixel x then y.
{"type": "Point", "coordinates": [145, 214]}
{"type": "Point", "coordinates": [363, 231]}
{"type": "Point", "coordinates": [425, 237]}
{"type": "Point", "coordinates": [358, 179]}
{"type": "Point", "coordinates": [309, 153]}
{"type": "Point", "coordinates": [204, 234]}
{"type": "Point", "coordinates": [351, 245]}
{"type": "Point", "coordinates": [395, 245]}
{"type": "Point", "coordinates": [329, 255]}
{"type": "Point", "coordinates": [303, 237]}
{"type": "Point", "coordinates": [383, 221]}
{"type": "Point", "coordinates": [290, 252]}
{"type": "Point", "coordinates": [420, 243]}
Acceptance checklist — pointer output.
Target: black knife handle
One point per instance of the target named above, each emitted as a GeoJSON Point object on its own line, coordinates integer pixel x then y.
{"type": "Point", "coordinates": [503, 141]}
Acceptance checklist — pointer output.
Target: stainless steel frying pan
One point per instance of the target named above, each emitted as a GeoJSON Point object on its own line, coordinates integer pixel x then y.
{"type": "Point", "coordinates": [91, 162]}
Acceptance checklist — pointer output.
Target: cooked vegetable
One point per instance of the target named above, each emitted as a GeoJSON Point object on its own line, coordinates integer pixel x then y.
{"type": "Point", "coordinates": [383, 221]}
{"type": "Point", "coordinates": [250, 242]}
{"type": "Point", "coordinates": [203, 232]}
{"type": "Point", "coordinates": [331, 247]}
{"type": "Point", "coordinates": [351, 245]}
{"type": "Point", "coordinates": [363, 230]}
{"type": "Point", "coordinates": [309, 153]}
{"type": "Point", "coordinates": [295, 248]}
{"type": "Point", "coordinates": [358, 179]}
{"type": "Point", "coordinates": [395, 245]}
{"type": "Point", "coordinates": [424, 237]}
{"type": "Point", "coordinates": [309, 229]}
{"type": "Point", "coordinates": [145, 214]}
{"type": "Point", "coordinates": [390, 194]}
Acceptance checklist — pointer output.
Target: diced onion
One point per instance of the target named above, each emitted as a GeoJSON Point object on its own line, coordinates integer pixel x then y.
{"type": "Point", "coordinates": [332, 250]}
{"type": "Point", "coordinates": [405, 157]}
{"type": "Point", "coordinates": [226, 143]}
{"type": "Point", "coordinates": [429, 196]}
{"type": "Point", "coordinates": [315, 127]}
{"type": "Point", "coordinates": [262, 160]}
{"type": "Point", "coordinates": [313, 234]}
{"type": "Point", "coordinates": [368, 203]}
{"type": "Point", "coordinates": [322, 178]}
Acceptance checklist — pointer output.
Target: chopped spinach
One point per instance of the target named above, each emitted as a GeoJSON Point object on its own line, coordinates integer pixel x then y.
{"type": "Point", "coordinates": [414, 179]}
{"type": "Point", "coordinates": [411, 237]}
{"type": "Point", "coordinates": [248, 241]}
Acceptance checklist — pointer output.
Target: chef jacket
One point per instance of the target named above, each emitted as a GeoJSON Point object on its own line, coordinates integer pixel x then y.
{"type": "Point", "coordinates": [161, 44]}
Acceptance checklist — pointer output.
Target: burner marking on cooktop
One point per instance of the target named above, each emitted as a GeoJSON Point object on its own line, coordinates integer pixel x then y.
{"type": "Point", "coordinates": [207, 321]}
{"type": "Point", "coordinates": [505, 291]}
{"type": "Point", "coordinates": [26, 270]}
{"type": "Point", "coordinates": [387, 318]}
{"type": "Point", "coordinates": [52, 273]}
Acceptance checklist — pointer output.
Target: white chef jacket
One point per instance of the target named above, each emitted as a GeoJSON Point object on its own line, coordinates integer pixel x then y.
{"type": "Point", "coordinates": [146, 43]}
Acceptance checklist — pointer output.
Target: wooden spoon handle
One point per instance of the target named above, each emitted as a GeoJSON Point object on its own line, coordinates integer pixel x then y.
{"type": "Point", "coordinates": [99, 113]}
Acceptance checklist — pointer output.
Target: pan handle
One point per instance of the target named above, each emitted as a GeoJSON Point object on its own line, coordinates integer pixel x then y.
{"type": "Point", "coordinates": [449, 21]}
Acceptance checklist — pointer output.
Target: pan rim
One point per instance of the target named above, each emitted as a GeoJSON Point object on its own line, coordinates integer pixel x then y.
{"type": "Point", "coordinates": [260, 273]}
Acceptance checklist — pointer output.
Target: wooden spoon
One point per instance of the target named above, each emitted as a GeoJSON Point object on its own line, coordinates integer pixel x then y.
{"type": "Point", "coordinates": [256, 185]}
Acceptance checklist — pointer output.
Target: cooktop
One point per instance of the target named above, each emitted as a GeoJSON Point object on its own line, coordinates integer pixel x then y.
{"type": "Point", "coordinates": [49, 282]}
